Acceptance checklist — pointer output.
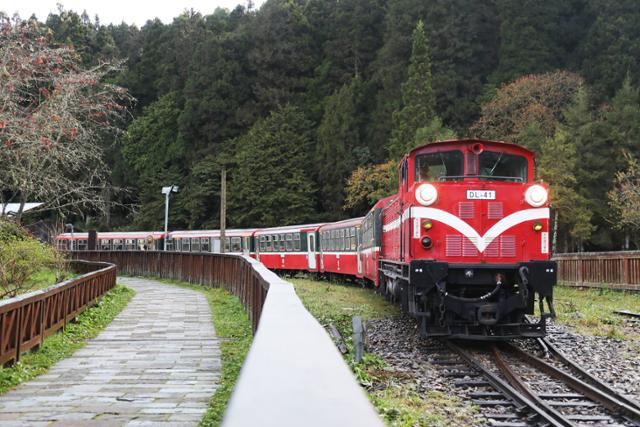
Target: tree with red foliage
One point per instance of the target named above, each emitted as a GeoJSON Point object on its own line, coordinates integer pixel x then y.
{"type": "Point", "coordinates": [535, 99]}
{"type": "Point", "coordinates": [53, 116]}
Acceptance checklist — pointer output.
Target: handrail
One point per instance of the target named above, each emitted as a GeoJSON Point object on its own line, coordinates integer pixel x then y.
{"type": "Point", "coordinates": [26, 320]}
{"type": "Point", "coordinates": [613, 270]}
{"type": "Point", "coordinates": [293, 374]}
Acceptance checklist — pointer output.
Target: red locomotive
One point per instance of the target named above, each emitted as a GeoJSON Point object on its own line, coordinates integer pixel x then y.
{"type": "Point", "coordinates": [463, 245]}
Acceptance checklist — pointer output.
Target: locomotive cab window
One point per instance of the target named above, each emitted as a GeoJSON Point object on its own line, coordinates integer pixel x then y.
{"type": "Point", "coordinates": [502, 166]}
{"type": "Point", "coordinates": [441, 166]}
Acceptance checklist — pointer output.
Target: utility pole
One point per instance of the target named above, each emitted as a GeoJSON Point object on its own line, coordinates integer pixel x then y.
{"type": "Point", "coordinates": [223, 209]}
{"type": "Point", "coordinates": [167, 192]}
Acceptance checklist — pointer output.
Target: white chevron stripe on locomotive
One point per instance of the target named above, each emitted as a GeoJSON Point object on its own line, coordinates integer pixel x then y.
{"type": "Point", "coordinates": [480, 242]}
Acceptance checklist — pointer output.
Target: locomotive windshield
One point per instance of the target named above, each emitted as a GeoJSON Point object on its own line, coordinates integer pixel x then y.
{"type": "Point", "coordinates": [439, 166]}
{"type": "Point", "coordinates": [502, 166]}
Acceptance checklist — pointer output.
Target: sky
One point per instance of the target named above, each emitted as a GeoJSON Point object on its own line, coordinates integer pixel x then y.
{"type": "Point", "coordinates": [115, 11]}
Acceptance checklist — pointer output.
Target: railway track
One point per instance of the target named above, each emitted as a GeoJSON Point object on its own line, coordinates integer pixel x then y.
{"type": "Point", "coordinates": [517, 389]}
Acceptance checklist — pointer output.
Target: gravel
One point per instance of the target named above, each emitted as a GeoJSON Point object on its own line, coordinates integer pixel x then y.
{"type": "Point", "coordinates": [617, 362]}
{"type": "Point", "coordinates": [398, 342]}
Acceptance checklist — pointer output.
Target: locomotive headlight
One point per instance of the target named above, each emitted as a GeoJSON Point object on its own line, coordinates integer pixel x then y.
{"type": "Point", "coordinates": [537, 226]}
{"type": "Point", "coordinates": [536, 195]}
{"type": "Point", "coordinates": [426, 194]}
{"type": "Point", "coordinates": [427, 224]}
{"type": "Point", "coordinates": [426, 242]}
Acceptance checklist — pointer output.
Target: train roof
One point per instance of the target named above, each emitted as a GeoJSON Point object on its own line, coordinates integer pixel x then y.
{"type": "Point", "coordinates": [489, 142]}
{"type": "Point", "coordinates": [113, 235]}
{"type": "Point", "coordinates": [344, 223]}
{"type": "Point", "coordinates": [76, 236]}
{"type": "Point", "coordinates": [289, 228]}
{"type": "Point", "coordinates": [211, 233]}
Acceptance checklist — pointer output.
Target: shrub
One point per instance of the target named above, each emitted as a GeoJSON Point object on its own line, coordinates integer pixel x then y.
{"type": "Point", "coordinates": [20, 257]}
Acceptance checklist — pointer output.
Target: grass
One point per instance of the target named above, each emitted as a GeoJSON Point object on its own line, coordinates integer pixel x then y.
{"type": "Point", "coordinates": [590, 311]}
{"type": "Point", "coordinates": [234, 330]}
{"type": "Point", "coordinates": [391, 392]}
{"type": "Point", "coordinates": [59, 346]}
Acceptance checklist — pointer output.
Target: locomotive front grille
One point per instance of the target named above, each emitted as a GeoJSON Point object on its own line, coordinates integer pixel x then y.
{"type": "Point", "coordinates": [494, 210]}
{"type": "Point", "coordinates": [457, 245]}
{"type": "Point", "coordinates": [465, 210]}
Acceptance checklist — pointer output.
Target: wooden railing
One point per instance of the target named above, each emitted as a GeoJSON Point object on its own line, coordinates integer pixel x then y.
{"type": "Point", "coordinates": [614, 270]}
{"type": "Point", "coordinates": [26, 320]}
{"type": "Point", "coordinates": [230, 272]}
{"type": "Point", "coordinates": [293, 374]}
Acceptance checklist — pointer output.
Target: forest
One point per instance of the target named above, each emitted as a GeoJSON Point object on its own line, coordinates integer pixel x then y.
{"type": "Point", "coordinates": [310, 104]}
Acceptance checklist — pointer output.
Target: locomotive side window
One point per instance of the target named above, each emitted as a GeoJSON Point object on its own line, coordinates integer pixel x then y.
{"type": "Point", "coordinates": [204, 244]}
{"type": "Point", "coordinates": [440, 166]}
{"type": "Point", "coordinates": [289, 247]}
{"type": "Point", "coordinates": [503, 166]}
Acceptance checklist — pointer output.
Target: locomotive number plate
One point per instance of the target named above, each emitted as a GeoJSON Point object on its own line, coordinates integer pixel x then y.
{"type": "Point", "coordinates": [481, 194]}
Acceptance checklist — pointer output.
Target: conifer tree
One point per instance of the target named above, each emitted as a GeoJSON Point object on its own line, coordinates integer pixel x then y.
{"type": "Point", "coordinates": [338, 137]}
{"type": "Point", "coordinates": [417, 97]}
{"type": "Point", "coordinates": [270, 183]}
{"type": "Point", "coordinates": [557, 165]}
{"type": "Point", "coordinates": [624, 199]}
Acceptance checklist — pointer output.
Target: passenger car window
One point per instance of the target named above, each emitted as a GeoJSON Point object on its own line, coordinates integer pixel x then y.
{"type": "Point", "coordinates": [236, 244]}
{"type": "Point", "coordinates": [441, 166]}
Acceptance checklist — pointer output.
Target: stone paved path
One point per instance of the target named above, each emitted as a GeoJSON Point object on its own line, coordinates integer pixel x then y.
{"type": "Point", "coordinates": [158, 362]}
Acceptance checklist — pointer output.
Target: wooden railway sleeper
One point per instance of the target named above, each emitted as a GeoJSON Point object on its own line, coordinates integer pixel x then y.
{"type": "Point", "coordinates": [609, 401]}
{"type": "Point", "coordinates": [521, 402]}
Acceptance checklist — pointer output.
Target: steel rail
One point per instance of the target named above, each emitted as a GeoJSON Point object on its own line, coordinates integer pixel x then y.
{"type": "Point", "coordinates": [627, 313]}
{"type": "Point", "coordinates": [516, 382]}
{"type": "Point", "coordinates": [600, 390]}
{"type": "Point", "coordinates": [521, 401]}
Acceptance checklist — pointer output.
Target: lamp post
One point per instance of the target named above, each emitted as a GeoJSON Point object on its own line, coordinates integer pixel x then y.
{"type": "Point", "coordinates": [167, 192]}
{"type": "Point", "coordinates": [71, 227]}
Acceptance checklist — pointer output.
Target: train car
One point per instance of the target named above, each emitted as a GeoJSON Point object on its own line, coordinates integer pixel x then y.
{"type": "Point", "coordinates": [340, 244]}
{"type": "Point", "coordinates": [236, 241]}
{"type": "Point", "coordinates": [464, 244]}
{"type": "Point", "coordinates": [113, 241]}
{"type": "Point", "coordinates": [288, 248]}
{"type": "Point", "coordinates": [72, 241]}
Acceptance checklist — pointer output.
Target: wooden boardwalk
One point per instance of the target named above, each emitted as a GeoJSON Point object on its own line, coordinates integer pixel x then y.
{"type": "Point", "coordinates": [158, 362]}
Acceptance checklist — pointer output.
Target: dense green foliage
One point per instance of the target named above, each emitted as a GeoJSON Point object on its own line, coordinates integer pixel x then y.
{"type": "Point", "coordinates": [361, 81]}
{"type": "Point", "coordinates": [21, 258]}
{"type": "Point", "coordinates": [55, 348]}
